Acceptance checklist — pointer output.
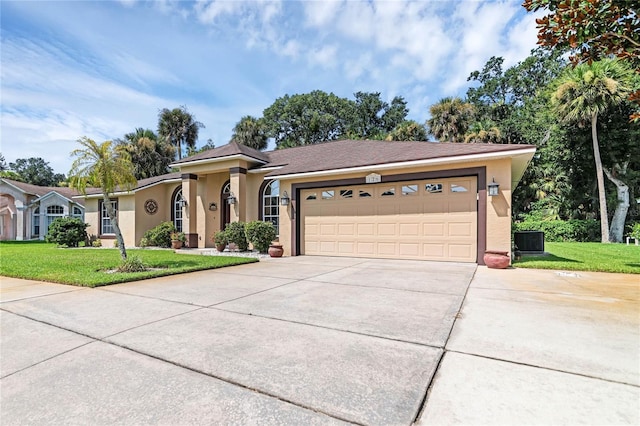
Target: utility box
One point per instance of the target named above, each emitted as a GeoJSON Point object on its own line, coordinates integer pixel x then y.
{"type": "Point", "coordinates": [529, 241]}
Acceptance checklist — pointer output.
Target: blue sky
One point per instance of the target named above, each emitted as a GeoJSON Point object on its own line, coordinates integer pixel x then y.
{"type": "Point", "coordinates": [103, 68]}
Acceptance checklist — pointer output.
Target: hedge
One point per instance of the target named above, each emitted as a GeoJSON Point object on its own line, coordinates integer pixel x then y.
{"type": "Point", "coordinates": [562, 230]}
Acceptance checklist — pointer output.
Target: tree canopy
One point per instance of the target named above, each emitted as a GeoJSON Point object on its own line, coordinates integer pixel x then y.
{"type": "Point", "coordinates": [149, 155]}
{"type": "Point", "coordinates": [592, 30]}
{"type": "Point", "coordinates": [178, 126]}
{"type": "Point", "coordinates": [250, 131]}
{"type": "Point", "coordinates": [36, 171]}
{"type": "Point", "coordinates": [315, 117]}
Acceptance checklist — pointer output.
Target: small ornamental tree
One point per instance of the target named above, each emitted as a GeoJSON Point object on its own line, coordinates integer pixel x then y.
{"type": "Point", "coordinates": [67, 231]}
{"type": "Point", "coordinates": [260, 234]}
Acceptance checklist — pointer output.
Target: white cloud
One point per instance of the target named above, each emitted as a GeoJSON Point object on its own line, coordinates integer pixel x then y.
{"type": "Point", "coordinates": [208, 11]}
{"type": "Point", "coordinates": [324, 56]}
{"type": "Point", "coordinates": [321, 13]}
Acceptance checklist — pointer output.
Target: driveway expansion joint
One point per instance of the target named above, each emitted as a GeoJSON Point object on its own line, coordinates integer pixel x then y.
{"type": "Point", "coordinates": [524, 364]}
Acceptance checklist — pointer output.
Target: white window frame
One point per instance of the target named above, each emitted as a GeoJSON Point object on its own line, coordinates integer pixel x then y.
{"type": "Point", "coordinates": [105, 220]}
{"type": "Point", "coordinates": [50, 217]}
{"type": "Point", "coordinates": [35, 222]}
{"type": "Point", "coordinates": [177, 210]}
{"type": "Point", "coordinates": [271, 204]}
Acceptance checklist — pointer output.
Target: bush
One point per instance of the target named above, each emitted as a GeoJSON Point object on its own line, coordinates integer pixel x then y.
{"type": "Point", "coordinates": [563, 230]}
{"type": "Point", "coordinates": [159, 236]}
{"type": "Point", "coordinates": [132, 264]}
{"type": "Point", "coordinates": [260, 234]}
{"type": "Point", "coordinates": [236, 234]}
{"type": "Point", "coordinates": [67, 231]}
{"type": "Point", "coordinates": [220, 238]}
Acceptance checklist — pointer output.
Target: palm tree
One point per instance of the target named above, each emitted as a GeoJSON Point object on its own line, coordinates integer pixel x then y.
{"type": "Point", "coordinates": [408, 130]}
{"type": "Point", "coordinates": [483, 132]}
{"type": "Point", "coordinates": [105, 167]}
{"type": "Point", "coordinates": [250, 131]}
{"type": "Point", "coordinates": [450, 119]}
{"type": "Point", "coordinates": [150, 156]}
{"type": "Point", "coordinates": [582, 94]}
{"type": "Point", "coordinates": [178, 126]}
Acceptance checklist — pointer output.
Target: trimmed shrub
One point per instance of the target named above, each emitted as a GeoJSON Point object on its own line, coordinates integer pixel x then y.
{"type": "Point", "coordinates": [67, 231]}
{"type": "Point", "coordinates": [160, 236]}
{"type": "Point", "coordinates": [220, 238]}
{"type": "Point", "coordinates": [562, 230]}
{"type": "Point", "coordinates": [260, 234]}
{"type": "Point", "coordinates": [236, 234]}
{"type": "Point", "coordinates": [634, 230]}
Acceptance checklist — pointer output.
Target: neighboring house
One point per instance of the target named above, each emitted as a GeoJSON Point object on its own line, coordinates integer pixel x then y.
{"type": "Point", "coordinates": [26, 210]}
{"type": "Point", "coordinates": [406, 200]}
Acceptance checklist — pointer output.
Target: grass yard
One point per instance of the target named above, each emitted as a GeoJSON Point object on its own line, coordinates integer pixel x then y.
{"type": "Point", "coordinates": [91, 267]}
{"type": "Point", "coordinates": [595, 257]}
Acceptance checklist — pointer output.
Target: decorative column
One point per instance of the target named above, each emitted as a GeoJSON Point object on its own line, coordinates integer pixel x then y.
{"type": "Point", "coordinates": [21, 210]}
{"type": "Point", "coordinates": [238, 183]}
{"type": "Point", "coordinates": [189, 211]}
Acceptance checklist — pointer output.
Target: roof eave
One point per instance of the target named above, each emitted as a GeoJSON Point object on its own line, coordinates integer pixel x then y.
{"type": "Point", "coordinates": [425, 162]}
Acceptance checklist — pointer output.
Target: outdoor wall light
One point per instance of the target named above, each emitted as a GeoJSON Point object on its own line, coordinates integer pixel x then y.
{"type": "Point", "coordinates": [213, 207]}
{"type": "Point", "coordinates": [231, 199]}
{"type": "Point", "coordinates": [493, 188]}
{"type": "Point", "coordinates": [284, 200]}
{"type": "Point", "coordinates": [182, 202]}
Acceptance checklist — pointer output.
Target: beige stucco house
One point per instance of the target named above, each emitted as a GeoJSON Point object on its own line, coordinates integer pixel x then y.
{"type": "Point", "coordinates": [406, 200]}
{"type": "Point", "coordinates": [26, 210]}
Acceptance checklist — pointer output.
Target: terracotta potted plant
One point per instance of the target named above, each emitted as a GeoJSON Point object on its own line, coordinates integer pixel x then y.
{"type": "Point", "coordinates": [177, 240]}
{"type": "Point", "coordinates": [275, 249]}
{"type": "Point", "coordinates": [221, 240]}
{"type": "Point", "coordinates": [496, 259]}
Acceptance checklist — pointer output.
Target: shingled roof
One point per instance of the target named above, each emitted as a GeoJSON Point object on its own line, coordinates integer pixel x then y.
{"type": "Point", "coordinates": [40, 191]}
{"type": "Point", "coordinates": [143, 183]}
{"type": "Point", "coordinates": [347, 154]}
{"type": "Point", "coordinates": [344, 154]}
{"type": "Point", "coordinates": [224, 151]}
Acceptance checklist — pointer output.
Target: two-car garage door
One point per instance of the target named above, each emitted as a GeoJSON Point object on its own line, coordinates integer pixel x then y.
{"type": "Point", "coordinates": [432, 219]}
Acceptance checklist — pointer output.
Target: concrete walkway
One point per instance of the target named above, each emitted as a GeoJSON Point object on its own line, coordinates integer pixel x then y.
{"type": "Point", "coordinates": [311, 340]}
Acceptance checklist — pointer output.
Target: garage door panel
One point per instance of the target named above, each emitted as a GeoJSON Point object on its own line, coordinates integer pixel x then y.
{"type": "Point", "coordinates": [387, 249]}
{"type": "Point", "coordinates": [409, 229]}
{"type": "Point", "coordinates": [460, 251]}
{"type": "Point", "coordinates": [387, 229]}
{"type": "Point", "coordinates": [346, 228]}
{"type": "Point", "coordinates": [460, 229]}
{"type": "Point", "coordinates": [436, 225]}
{"type": "Point", "coordinates": [433, 229]}
{"type": "Point", "coordinates": [328, 229]}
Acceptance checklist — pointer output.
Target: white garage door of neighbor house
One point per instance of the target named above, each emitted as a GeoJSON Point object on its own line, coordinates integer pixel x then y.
{"type": "Point", "coordinates": [434, 219]}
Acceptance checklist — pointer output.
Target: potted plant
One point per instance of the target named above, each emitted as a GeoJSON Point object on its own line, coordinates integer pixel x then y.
{"type": "Point", "coordinates": [221, 240]}
{"type": "Point", "coordinates": [177, 240]}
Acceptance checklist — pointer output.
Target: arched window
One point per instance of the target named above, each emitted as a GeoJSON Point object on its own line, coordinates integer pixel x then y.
{"type": "Point", "coordinates": [35, 223]}
{"type": "Point", "coordinates": [54, 212]}
{"type": "Point", "coordinates": [77, 212]}
{"type": "Point", "coordinates": [271, 204]}
{"type": "Point", "coordinates": [226, 189]}
{"type": "Point", "coordinates": [176, 208]}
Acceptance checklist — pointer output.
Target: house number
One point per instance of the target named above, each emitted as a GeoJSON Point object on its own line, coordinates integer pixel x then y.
{"type": "Point", "coordinates": [151, 206]}
{"type": "Point", "coordinates": [373, 178]}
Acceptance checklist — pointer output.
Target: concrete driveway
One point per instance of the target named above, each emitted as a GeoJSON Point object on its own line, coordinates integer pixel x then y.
{"type": "Point", "coordinates": [312, 340]}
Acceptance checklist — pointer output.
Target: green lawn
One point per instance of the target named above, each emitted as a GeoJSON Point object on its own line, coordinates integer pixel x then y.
{"type": "Point", "coordinates": [92, 267]}
{"type": "Point", "coordinates": [586, 257]}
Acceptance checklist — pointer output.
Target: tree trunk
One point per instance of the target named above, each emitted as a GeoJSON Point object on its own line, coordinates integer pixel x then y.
{"type": "Point", "coordinates": [114, 222]}
{"type": "Point", "coordinates": [620, 215]}
{"type": "Point", "coordinates": [602, 196]}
